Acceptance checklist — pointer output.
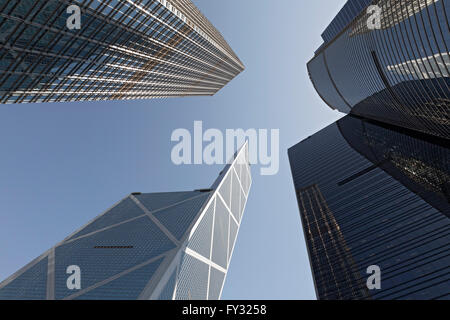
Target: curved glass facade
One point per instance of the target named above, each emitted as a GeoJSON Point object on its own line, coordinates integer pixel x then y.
{"type": "Point", "coordinates": [398, 74]}
{"type": "Point", "coordinates": [123, 50]}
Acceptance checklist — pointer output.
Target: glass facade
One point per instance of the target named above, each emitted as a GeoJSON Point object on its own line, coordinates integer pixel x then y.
{"type": "Point", "coordinates": [398, 73]}
{"type": "Point", "coordinates": [350, 11]}
{"type": "Point", "coordinates": [123, 50]}
{"type": "Point", "coordinates": [370, 193]}
{"type": "Point", "coordinates": [175, 245]}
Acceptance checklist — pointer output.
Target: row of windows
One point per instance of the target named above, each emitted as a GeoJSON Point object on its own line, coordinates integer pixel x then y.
{"type": "Point", "coordinates": [384, 216]}
{"type": "Point", "coordinates": [351, 10]}
{"type": "Point", "coordinates": [397, 74]}
{"type": "Point", "coordinates": [42, 58]}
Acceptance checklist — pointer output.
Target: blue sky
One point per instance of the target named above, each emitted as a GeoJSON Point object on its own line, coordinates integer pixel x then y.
{"type": "Point", "coordinates": [63, 164]}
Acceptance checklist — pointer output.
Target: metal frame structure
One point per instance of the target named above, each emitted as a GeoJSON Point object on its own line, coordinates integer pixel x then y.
{"type": "Point", "coordinates": [148, 246]}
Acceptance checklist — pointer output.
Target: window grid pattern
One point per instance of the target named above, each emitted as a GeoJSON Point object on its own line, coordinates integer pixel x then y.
{"type": "Point", "coordinates": [30, 285]}
{"type": "Point", "coordinates": [126, 287]}
{"type": "Point", "coordinates": [98, 265]}
{"type": "Point", "coordinates": [169, 289]}
{"type": "Point", "coordinates": [192, 281]}
{"type": "Point", "coordinates": [361, 205]}
{"type": "Point", "coordinates": [224, 230]}
{"type": "Point", "coordinates": [351, 9]}
{"type": "Point", "coordinates": [122, 212]}
{"type": "Point", "coordinates": [398, 74]}
{"type": "Point", "coordinates": [200, 241]}
{"type": "Point", "coordinates": [215, 284]}
{"type": "Point", "coordinates": [124, 50]}
{"type": "Point", "coordinates": [125, 252]}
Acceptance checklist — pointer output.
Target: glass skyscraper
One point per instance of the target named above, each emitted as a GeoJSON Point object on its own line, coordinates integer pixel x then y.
{"type": "Point", "coordinates": [373, 189]}
{"type": "Point", "coordinates": [165, 246]}
{"type": "Point", "coordinates": [375, 194]}
{"type": "Point", "coordinates": [122, 50]}
{"type": "Point", "coordinates": [396, 72]}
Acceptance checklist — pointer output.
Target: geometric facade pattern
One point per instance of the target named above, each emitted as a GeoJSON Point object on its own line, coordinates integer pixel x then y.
{"type": "Point", "coordinates": [329, 279]}
{"type": "Point", "coordinates": [397, 73]}
{"type": "Point", "coordinates": [350, 11]}
{"type": "Point", "coordinates": [373, 188]}
{"type": "Point", "coordinates": [375, 194]}
{"type": "Point", "coordinates": [123, 50]}
{"type": "Point", "coordinates": [175, 245]}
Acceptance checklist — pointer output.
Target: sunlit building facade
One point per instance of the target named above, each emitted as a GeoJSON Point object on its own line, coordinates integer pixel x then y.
{"type": "Point", "coordinates": [122, 50]}
{"type": "Point", "coordinates": [157, 246]}
{"type": "Point", "coordinates": [373, 194]}
{"type": "Point", "coordinates": [396, 71]}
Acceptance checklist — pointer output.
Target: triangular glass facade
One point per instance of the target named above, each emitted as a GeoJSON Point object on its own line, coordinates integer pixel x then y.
{"type": "Point", "coordinates": [147, 246]}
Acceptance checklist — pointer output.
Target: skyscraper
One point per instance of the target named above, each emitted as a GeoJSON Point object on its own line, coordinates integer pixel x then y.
{"type": "Point", "coordinates": [373, 188]}
{"type": "Point", "coordinates": [373, 194]}
{"type": "Point", "coordinates": [121, 50]}
{"type": "Point", "coordinates": [389, 62]}
{"type": "Point", "coordinates": [175, 245]}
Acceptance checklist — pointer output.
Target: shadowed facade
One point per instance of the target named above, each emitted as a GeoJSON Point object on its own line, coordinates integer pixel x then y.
{"type": "Point", "coordinates": [175, 245]}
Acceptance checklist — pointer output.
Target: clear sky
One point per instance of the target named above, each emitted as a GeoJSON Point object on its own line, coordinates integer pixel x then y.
{"type": "Point", "coordinates": [63, 164]}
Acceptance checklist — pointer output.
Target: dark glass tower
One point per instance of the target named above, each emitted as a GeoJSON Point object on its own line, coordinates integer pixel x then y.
{"type": "Point", "coordinates": [122, 50]}
{"type": "Point", "coordinates": [398, 73]}
{"type": "Point", "coordinates": [373, 189]}
{"type": "Point", "coordinates": [375, 194]}
{"type": "Point", "coordinates": [158, 246]}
